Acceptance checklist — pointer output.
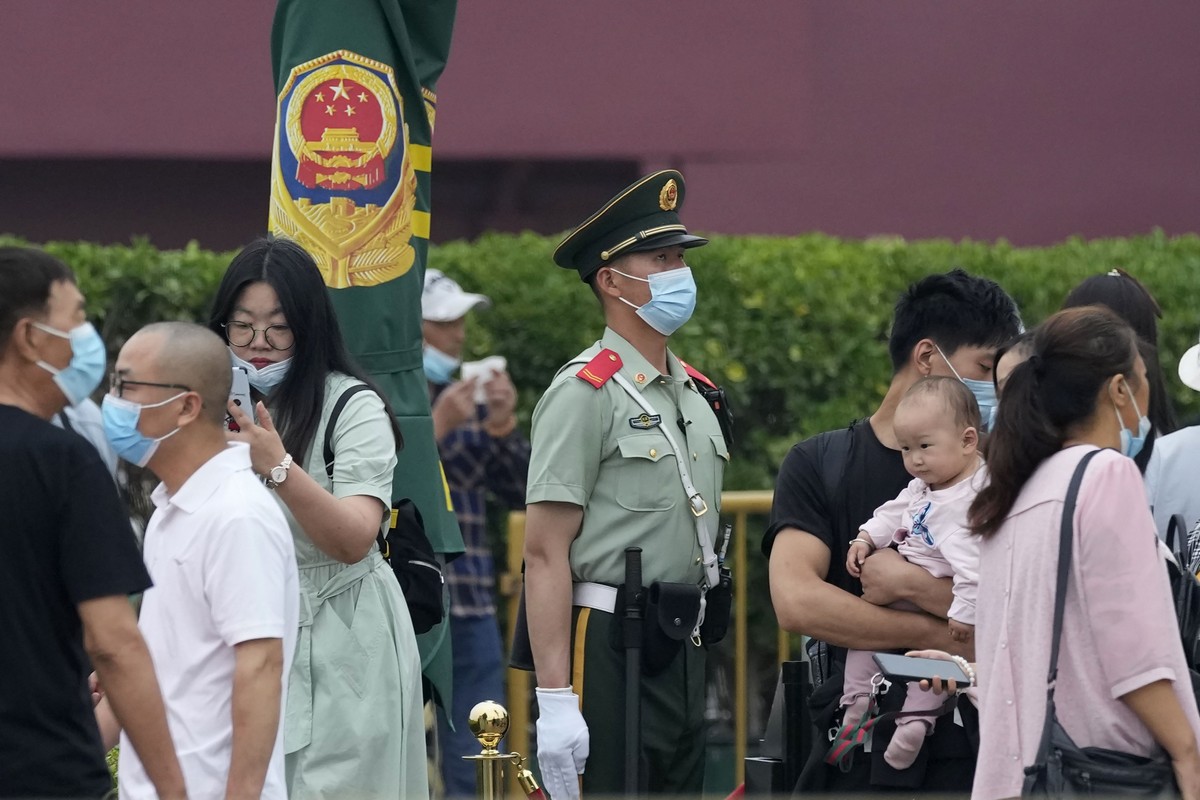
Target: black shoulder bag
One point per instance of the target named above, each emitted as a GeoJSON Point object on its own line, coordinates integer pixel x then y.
{"type": "Point", "coordinates": [406, 548]}
{"type": "Point", "coordinates": [1062, 768]}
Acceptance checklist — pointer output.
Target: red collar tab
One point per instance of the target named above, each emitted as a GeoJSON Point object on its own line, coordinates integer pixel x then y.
{"type": "Point", "coordinates": [696, 375]}
{"type": "Point", "coordinates": [600, 369]}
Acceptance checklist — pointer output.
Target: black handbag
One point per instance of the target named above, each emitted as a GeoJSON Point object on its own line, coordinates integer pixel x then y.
{"type": "Point", "coordinates": [405, 548]}
{"type": "Point", "coordinates": [1062, 768]}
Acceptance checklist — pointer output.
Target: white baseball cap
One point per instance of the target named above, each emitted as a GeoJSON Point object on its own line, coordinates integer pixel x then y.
{"type": "Point", "coordinates": [1189, 367]}
{"type": "Point", "coordinates": [443, 300]}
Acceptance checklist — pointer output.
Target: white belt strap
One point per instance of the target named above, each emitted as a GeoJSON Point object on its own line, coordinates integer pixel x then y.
{"type": "Point", "coordinates": [699, 508]}
{"type": "Point", "coordinates": [599, 596]}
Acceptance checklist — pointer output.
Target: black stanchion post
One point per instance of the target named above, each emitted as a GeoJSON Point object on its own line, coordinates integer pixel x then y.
{"type": "Point", "coordinates": [631, 622]}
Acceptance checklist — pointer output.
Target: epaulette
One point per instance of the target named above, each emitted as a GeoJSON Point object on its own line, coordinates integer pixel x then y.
{"type": "Point", "coordinates": [600, 369]}
{"type": "Point", "coordinates": [696, 375]}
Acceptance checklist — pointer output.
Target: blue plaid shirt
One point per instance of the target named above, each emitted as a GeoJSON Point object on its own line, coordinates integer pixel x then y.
{"type": "Point", "coordinates": [476, 465]}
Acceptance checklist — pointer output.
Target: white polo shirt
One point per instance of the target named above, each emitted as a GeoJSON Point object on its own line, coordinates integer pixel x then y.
{"type": "Point", "coordinates": [224, 569]}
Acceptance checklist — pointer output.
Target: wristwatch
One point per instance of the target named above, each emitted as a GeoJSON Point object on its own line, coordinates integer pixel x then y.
{"type": "Point", "coordinates": [278, 474]}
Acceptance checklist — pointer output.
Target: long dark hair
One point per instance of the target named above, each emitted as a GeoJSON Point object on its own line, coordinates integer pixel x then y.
{"type": "Point", "coordinates": [1071, 356]}
{"type": "Point", "coordinates": [1125, 295]}
{"type": "Point", "coordinates": [319, 350]}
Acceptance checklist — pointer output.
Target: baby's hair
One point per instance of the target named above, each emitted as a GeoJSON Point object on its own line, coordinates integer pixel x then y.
{"type": "Point", "coordinates": [955, 396]}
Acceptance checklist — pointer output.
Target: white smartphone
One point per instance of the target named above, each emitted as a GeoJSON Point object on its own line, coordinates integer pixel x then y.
{"type": "Point", "coordinates": [907, 668]}
{"type": "Point", "coordinates": [483, 371]}
{"type": "Point", "coordinates": [239, 393]}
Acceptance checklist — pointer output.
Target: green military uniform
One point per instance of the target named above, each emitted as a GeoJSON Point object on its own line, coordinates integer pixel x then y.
{"type": "Point", "coordinates": [595, 446]}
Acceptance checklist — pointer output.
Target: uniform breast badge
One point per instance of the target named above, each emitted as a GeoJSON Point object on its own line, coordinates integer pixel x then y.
{"type": "Point", "coordinates": [644, 421]}
{"type": "Point", "coordinates": [343, 182]}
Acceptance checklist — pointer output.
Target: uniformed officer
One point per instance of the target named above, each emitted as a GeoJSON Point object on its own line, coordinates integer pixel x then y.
{"type": "Point", "coordinates": [617, 436]}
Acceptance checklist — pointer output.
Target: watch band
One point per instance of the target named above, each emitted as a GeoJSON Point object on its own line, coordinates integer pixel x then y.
{"type": "Point", "coordinates": [284, 465]}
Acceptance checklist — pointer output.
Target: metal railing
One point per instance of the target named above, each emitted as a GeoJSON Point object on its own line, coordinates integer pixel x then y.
{"type": "Point", "coordinates": [739, 506]}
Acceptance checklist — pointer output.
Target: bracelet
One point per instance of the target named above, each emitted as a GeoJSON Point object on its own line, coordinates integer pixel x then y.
{"type": "Point", "coordinates": [966, 668]}
{"type": "Point", "coordinates": [863, 541]}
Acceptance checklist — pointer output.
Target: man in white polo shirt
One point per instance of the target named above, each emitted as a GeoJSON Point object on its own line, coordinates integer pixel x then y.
{"type": "Point", "coordinates": [221, 618]}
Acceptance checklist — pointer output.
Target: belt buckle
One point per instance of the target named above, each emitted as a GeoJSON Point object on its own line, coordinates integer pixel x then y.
{"type": "Point", "coordinates": [698, 506]}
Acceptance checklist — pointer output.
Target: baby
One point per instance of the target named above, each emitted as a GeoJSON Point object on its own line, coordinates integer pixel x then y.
{"type": "Point", "coordinates": [937, 425]}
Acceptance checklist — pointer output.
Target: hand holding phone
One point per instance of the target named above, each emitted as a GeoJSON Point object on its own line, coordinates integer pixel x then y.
{"type": "Point", "coordinates": [239, 395]}
{"type": "Point", "coordinates": [482, 372]}
{"type": "Point", "coordinates": [909, 668]}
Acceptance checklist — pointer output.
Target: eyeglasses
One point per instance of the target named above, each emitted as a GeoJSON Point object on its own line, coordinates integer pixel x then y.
{"type": "Point", "coordinates": [241, 334]}
{"type": "Point", "coordinates": [117, 384]}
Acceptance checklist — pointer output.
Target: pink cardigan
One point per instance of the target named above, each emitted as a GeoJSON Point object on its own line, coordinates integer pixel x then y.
{"type": "Point", "coordinates": [1119, 628]}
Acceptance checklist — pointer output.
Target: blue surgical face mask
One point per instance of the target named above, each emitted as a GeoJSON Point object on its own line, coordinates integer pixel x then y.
{"type": "Point", "coordinates": [120, 418]}
{"type": "Point", "coordinates": [267, 378]}
{"type": "Point", "coordinates": [672, 299]}
{"type": "Point", "coordinates": [984, 391]}
{"type": "Point", "coordinates": [439, 367]}
{"type": "Point", "coordinates": [82, 375]}
{"type": "Point", "coordinates": [1132, 445]}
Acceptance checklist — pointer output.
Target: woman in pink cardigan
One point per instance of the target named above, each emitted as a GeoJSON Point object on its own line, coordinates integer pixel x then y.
{"type": "Point", "coordinates": [1123, 682]}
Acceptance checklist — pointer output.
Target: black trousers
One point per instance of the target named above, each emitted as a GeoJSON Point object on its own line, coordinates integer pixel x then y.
{"type": "Point", "coordinates": [672, 712]}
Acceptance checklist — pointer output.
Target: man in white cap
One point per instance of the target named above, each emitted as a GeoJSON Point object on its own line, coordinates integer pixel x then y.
{"type": "Point", "coordinates": [483, 453]}
{"type": "Point", "coordinates": [1171, 473]}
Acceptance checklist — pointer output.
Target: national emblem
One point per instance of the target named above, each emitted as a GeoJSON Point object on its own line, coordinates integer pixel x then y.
{"type": "Point", "coordinates": [668, 198]}
{"type": "Point", "coordinates": [343, 182]}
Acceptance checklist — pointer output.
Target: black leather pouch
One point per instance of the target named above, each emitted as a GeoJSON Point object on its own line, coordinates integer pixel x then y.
{"type": "Point", "coordinates": [671, 613]}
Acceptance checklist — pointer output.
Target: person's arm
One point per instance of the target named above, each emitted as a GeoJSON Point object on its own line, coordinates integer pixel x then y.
{"type": "Point", "coordinates": [888, 578]}
{"type": "Point", "coordinates": [550, 528]}
{"type": "Point", "coordinates": [1157, 706]}
{"type": "Point", "coordinates": [805, 603]}
{"type": "Point", "coordinates": [344, 528]}
{"type": "Point", "coordinates": [257, 688]}
{"type": "Point", "coordinates": [123, 667]}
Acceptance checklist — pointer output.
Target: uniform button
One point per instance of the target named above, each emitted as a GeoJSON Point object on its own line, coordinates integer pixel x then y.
{"type": "Point", "coordinates": [1008, 702]}
{"type": "Point", "coordinates": [611, 357]}
{"type": "Point", "coordinates": [640, 377]}
{"type": "Point", "coordinates": [653, 452]}
{"type": "Point", "coordinates": [695, 457]}
{"type": "Point", "coordinates": [697, 559]}
{"type": "Point", "coordinates": [678, 621]}
{"type": "Point", "coordinates": [1004, 645]}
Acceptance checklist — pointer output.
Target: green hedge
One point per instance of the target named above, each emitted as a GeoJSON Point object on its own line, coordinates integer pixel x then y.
{"type": "Point", "coordinates": [795, 328]}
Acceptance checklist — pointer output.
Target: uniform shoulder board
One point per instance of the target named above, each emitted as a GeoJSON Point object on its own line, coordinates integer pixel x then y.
{"type": "Point", "coordinates": [600, 369]}
{"type": "Point", "coordinates": [696, 375]}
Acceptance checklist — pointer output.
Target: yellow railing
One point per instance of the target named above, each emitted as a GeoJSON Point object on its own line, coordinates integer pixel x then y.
{"type": "Point", "coordinates": [739, 505]}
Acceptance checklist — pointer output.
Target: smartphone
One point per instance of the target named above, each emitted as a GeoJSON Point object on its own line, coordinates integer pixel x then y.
{"type": "Point", "coordinates": [483, 371]}
{"type": "Point", "coordinates": [907, 668]}
{"type": "Point", "coordinates": [239, 393]}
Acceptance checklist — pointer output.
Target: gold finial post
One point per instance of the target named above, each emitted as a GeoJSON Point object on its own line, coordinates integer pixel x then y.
{"type": "Point", "coordinates": [488, 722]}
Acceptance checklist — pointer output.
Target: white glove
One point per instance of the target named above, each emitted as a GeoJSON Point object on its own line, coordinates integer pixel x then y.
{"type": "Point", "coordinates": [563, 742]}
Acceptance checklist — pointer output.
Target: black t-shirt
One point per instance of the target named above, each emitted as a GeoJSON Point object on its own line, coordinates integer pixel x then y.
{"type": "Point", "coordinates": [829, 486]}
{"type": "Point", "coordinates": [64, 539]}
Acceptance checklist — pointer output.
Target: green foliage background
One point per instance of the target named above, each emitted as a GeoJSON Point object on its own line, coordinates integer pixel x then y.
{"type": "Point", "coordinates": [794, 328]}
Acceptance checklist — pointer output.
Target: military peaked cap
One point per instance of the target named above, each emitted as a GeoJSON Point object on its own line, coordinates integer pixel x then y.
{"type": "Point", "coordinates": [644, 216]}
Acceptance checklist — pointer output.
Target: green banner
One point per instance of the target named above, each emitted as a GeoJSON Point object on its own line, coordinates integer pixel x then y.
{"type": "Point", "coordinates": [350, 181]}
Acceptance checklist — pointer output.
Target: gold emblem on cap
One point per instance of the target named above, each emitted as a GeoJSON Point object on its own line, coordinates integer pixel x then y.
{"type": "Point", "coordinates": [668, 198]}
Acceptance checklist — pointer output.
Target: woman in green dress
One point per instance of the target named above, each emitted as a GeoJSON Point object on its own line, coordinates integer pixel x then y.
{"type": "Point", "coordinates": [354, 725]}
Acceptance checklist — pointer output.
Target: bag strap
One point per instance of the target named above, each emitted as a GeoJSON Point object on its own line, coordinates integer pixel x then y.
{"type": "Point", "coordinates": [327, 451]}
{"type": "Point", "coordinates": [1066, 540]}
{"type": "Point", "coordinates": [332, 423]}
{"type": "Point", "coordinates": [1177, 535]}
